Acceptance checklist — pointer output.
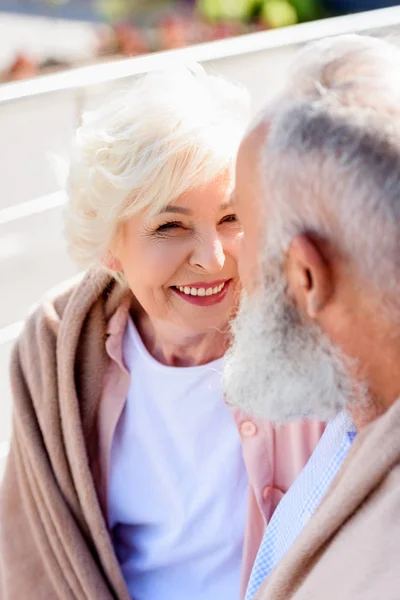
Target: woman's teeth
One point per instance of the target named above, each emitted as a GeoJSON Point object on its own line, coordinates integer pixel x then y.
{"type": "Point", "coordinates": [191, 291]}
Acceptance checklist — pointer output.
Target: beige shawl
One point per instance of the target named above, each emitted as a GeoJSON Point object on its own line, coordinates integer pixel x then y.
{"type": "Point", "coordinates": [350, 549]}
{"type": "Point", "coordinates": [54, 541]}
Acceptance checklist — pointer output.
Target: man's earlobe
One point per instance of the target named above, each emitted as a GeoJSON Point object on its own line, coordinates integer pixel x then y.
{"type": "Point", "coordinates": [309, 275]}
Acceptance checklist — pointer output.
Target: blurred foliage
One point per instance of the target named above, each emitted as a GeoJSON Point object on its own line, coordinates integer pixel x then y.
{"type": "Point", "coordinates": [220, 10]}
{"type": "Point", "coordinates": [273, 13]}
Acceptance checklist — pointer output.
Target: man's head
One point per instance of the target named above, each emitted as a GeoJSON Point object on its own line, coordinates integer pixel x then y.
{"type": "Point", "coordinates": [318, 194]}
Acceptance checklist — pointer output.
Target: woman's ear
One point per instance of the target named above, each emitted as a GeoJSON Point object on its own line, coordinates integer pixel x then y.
{"type": "Point", "coordinates": [309, 275]}
{"type": "Point", "coordinates": [110, 261]}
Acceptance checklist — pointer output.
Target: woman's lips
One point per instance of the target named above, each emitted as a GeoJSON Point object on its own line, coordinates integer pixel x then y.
{"type": "Point", "coordinates": [203, 294]}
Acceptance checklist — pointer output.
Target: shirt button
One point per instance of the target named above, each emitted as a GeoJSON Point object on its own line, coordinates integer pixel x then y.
{"type": "Point", "coordinates": [248, 429]}
{"type": "Point", "coordinates": [266, 492]}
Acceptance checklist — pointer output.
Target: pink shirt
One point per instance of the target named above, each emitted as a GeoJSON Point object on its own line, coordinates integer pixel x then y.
{"type": "Point", "coordinates": [273, 456]}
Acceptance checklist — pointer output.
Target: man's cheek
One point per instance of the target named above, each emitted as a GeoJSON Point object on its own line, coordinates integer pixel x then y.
{"type": "Point", "coordinates": [247, 273]}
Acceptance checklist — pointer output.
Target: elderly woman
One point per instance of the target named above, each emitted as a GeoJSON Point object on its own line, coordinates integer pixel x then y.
{"type": "Point", "coordinates": [128, 476]}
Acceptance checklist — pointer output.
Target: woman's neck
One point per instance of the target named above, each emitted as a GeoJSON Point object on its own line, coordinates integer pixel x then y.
{"type": "Point", "coordinates": [172, 346]}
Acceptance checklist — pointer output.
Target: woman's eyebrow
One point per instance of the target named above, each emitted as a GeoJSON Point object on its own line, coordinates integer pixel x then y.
{"type": "Point", "coordinates": [176, 209]}
{"type": "Point", "coordinates": [173, 208]}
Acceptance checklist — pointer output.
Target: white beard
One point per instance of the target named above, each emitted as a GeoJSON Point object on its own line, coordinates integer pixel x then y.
{"type": "Point", "coordinates": [279, 368]}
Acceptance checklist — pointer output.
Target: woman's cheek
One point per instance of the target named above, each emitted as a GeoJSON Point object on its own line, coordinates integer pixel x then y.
{"type": "Point", "coordinates": [167, 258]}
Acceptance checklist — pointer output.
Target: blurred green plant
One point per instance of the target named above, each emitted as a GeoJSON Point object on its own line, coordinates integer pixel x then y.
{"type": "Point", "coordinates": [221, 10]}
{"type": "Point", "coordinates": [272, 13]}
{"type": "Point", "coordinates": [279, 13]}
{"type": "Point", "coordinates": [269, 13]}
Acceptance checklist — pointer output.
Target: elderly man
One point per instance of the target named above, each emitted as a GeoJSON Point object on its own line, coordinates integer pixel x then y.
{"type": "Point", "coordinates": [318, 334]}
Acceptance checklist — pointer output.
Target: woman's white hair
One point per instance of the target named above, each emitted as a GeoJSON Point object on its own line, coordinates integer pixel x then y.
{"type": "Point", "coordinates": [170, 132]}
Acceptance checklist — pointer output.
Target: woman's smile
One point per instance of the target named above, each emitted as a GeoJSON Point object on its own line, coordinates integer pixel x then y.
{"type": "Point", "coordinates": [203, 294]}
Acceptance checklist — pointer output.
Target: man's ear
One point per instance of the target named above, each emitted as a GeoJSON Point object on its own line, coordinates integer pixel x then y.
{"type": "Point", "coordinates": [309, 275]}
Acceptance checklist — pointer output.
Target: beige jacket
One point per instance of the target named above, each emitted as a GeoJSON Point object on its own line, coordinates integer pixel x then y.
{"type": "Point", "coordinates": [350, 549]}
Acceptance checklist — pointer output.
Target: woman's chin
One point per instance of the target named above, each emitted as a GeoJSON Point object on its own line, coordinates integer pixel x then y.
{"type": "Point", "coordinates": [196, 323]}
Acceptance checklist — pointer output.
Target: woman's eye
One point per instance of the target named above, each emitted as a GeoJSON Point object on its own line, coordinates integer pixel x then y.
{"type": "Point", "coordinates": [167, 226]}
{"type": "Point", "coordinates": [230, 219]}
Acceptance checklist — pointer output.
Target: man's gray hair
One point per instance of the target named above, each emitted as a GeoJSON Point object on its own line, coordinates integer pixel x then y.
{"type": "Point", "coordinates": [331, 161]}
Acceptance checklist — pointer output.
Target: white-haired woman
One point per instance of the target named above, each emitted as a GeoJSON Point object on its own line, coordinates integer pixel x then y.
{"type": "Point", "coordinates": [128, 476]}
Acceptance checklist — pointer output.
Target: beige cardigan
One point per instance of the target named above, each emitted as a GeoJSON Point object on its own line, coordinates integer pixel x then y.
{"type": "Point", "coordinates": [350, 549]}
{"type": "Point", "coordinates": [54, 541]}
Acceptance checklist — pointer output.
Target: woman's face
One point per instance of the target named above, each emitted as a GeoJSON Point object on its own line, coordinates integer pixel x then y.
{"type": "Point", "coordinates": [182, 264]}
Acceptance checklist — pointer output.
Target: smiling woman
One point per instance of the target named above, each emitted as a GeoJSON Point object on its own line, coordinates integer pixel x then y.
{"type": "Point", "coordinates": [183, 272]}
{"type": "Point", "coordinates": [122, 443]}
{"type": "Point", "coordinates": [149, 187]}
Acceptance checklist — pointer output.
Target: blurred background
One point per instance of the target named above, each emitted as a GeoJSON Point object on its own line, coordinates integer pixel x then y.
{"type": "Point", "coordinates": [61, 57]}
{"type": "Point", "coordinates": [44, 36]}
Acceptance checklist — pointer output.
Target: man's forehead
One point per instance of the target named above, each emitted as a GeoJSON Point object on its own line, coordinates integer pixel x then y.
{"type": "Point", "coordinates": [251, 146]}
{"type": "Point", "coordinates": [248, 163]}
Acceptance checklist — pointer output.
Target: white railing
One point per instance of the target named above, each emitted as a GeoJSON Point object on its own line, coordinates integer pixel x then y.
{"type": "Point", "coordinates": [37, 117]}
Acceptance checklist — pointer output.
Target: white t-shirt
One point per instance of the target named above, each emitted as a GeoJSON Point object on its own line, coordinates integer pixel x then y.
{"type": "Point", "coordinates": [177, 492]}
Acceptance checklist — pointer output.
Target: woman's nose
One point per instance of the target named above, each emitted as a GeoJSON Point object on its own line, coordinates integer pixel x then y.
{"type": "Point", "coordinates": [209, 255]}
